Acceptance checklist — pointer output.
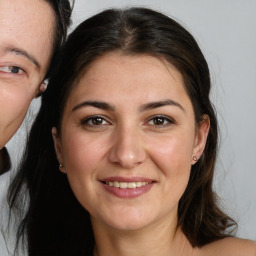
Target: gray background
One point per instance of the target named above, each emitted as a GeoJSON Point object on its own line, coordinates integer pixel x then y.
{"type": "Point", "coordinates": [226, 33]}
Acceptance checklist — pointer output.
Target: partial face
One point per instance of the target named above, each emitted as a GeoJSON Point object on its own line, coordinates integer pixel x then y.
{"type": "Point", "coordinates": [26, 36]}
{"type": "Point", "coordinates": [127, 141]}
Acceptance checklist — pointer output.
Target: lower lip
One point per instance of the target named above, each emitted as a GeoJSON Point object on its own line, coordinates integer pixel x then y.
{"type": "Point", "coordinates": [128, 192]}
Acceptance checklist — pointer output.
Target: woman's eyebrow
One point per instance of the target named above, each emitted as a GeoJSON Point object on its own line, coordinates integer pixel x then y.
{"type": "Point", "coordinates": [96, 104]}
{"type": "Point", "coordinates": [144, 107]}
{"type": "Point", "coordinates": [162, 103]}
{"type": "Point", "coordinates": [21, 52]}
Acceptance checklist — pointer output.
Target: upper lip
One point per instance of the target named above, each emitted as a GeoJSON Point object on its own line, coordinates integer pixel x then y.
{"type": "Point", "coordinates": [127, 179]}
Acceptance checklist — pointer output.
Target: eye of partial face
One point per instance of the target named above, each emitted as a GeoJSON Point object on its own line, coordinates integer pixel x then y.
{"type": "Point", "coordinates": [11, 69]}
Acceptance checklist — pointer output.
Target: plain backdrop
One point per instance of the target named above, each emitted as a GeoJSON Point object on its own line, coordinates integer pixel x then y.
{"type": "Point", "coordinates": [226, 33]}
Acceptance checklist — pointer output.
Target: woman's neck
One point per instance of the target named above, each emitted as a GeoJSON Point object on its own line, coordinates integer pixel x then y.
{"type": "Point", "coordinates": [161, 239]}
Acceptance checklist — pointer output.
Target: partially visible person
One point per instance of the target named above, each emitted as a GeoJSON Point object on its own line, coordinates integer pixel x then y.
{"type": "Point", "coordinates": [31, 31]}
{"type": "Point", "coordinates": [135, 135]}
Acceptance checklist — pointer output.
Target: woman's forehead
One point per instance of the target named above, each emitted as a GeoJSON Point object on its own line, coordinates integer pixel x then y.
{"type": "Point", "coordinates": [141, 78]}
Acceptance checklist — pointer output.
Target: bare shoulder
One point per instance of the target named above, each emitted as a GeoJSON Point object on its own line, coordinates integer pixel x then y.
{"type": "Point", "coordinates": [230, 246]}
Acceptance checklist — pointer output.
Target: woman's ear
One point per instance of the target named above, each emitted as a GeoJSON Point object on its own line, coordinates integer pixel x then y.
{"type": "Point", "coordinates": [201, 138]}
{"type": "Point", "coordinates": [58, 148]}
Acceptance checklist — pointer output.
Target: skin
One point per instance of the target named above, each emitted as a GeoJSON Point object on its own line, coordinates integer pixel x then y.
{"type": "Point", "coordinates": [25, 53]}
{"type": "Point", "coordinates": [126, 140]}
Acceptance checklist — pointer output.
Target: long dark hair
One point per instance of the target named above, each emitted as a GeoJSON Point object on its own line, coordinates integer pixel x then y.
{"type": "Point", "coordinates": [55, 222]}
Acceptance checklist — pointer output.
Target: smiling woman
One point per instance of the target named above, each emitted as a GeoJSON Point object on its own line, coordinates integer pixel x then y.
{"type": "Point", "coordinates": [135, 140]}
{"type": "Point", "coordinates": [107, 145]}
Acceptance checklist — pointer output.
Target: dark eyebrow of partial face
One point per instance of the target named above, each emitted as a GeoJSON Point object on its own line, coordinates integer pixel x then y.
{"type": "Point", "coordinates": [96, 104]}
{"type": "Point", "coordinates": [158, 104]}
{"type": "Point", "coordinates": [23, 53]}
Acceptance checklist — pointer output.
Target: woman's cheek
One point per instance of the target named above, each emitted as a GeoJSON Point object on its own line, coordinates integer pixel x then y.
{"type": "Point", "coordinates": [82, 152]}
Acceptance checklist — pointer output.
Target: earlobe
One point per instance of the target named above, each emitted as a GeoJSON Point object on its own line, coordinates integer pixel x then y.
{"type": "Point", "coordinates": [42, 88]}
{"type": "Point", "coordinates": [201, 138]}
{"type": "Point", "coordinates": [58, 148]}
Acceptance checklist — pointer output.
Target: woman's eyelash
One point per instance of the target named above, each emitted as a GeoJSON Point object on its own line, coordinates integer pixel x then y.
{"type": "Point", "coordinates": [94, 121]}
{"type": "Point", "coordinates": [98, 121]}
{"type": "Point", "coordinates": [160, 120]}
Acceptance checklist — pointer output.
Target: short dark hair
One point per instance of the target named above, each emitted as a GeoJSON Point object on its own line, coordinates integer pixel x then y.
{"type": "Point", "coordinates": [54, 217]}
{"type": "Point", "coordinates": [62, 10]}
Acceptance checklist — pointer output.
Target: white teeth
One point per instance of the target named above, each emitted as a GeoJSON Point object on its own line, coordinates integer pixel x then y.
{"type": "Point", "coordinates": [138, 184]}
{"type": "Point", "coordinates": [123, 185]}
{"type": "Point", "coordinates": [131, 185]}
{"type": "Point", "coordinates": [118, 184]}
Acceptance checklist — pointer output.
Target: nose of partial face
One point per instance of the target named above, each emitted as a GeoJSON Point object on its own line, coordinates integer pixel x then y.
{"type": "Point", "coordinates": [127, 150]}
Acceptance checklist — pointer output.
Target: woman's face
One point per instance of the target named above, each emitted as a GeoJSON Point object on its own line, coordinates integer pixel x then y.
{"type": "Point", "coordinates": [128, 137]}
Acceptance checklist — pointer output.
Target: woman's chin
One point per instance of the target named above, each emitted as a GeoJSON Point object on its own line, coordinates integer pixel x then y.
{"type": "Point", "coordinates": [124, 222]}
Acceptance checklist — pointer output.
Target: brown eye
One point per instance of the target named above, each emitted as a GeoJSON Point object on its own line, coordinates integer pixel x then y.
{"type": "Point", "coordinates": [94, 121]}
{"type": "Point", "coordinates": [97, 121]}
{"type": "Point", "coordinates": [160, 121]}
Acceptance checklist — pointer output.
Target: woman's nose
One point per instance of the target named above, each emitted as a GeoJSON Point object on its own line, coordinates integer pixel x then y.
{"type": "Point", "coordinates": [128, 150]}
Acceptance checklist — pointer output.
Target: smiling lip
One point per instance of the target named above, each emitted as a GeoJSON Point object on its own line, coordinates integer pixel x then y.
{"type": "Point", "coordinates": [127, 187]}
